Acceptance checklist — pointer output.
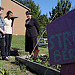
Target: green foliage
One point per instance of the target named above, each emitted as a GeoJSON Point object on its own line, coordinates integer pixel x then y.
{"type": "Point", "coordinates": [38, 60]}
{"type": "Point", "coordinates": [45, 61]}
{"type": "Point", "coordinates": [31, 59]}
{"type": "Point", "coordinates": [43, 21]}
{"type": "Point", "coordinates": [63, 6]}
{"type": "Point", "coordinates": [58, 67]}
{"type": "Point", "coordinates": [34, 8]}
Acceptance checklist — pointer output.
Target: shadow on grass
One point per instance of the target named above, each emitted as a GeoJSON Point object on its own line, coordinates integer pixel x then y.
{"type": "Point", "coordinates": [14, 51]}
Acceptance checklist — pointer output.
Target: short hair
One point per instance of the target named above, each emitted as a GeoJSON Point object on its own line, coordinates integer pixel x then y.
{"type": "Point", "coordinates": [1, 8]}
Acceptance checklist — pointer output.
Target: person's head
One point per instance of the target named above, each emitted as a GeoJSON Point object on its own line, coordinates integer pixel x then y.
{"type": "Point", "coordinates": [1, 10]}
{"type": "Point", "coordinates": [29, 14]}
{"type": "Point", "coordinates": [9, 14]}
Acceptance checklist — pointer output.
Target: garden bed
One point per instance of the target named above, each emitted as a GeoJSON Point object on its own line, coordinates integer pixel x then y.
{"type": "Point", "coordinates": [36, 67]}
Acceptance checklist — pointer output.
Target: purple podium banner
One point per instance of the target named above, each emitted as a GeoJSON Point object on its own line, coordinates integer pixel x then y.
{"type": "Point", "coordinates": [61, 39]}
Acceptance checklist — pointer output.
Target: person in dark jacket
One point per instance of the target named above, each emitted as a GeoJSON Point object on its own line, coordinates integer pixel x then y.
{"type": "Point", "coordinates": [32, 31]}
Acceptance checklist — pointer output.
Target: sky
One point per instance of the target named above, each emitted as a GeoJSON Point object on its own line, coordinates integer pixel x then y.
{"type": "Point", "coordinates": [46, 5]}
{"type": "Point", "coordinates": [0, 2]}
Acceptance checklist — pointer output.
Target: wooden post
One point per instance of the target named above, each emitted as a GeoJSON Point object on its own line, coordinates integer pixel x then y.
{"type": "Point", "coordinates": [68, 69]}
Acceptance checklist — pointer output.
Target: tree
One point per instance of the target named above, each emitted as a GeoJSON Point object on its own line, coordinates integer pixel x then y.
{"type": "Point", "coordinates": [43, 22]}
{"type": "Point", "coordinates": [63, 6]}
{"type": "Point", "coordinates": [34, 8]}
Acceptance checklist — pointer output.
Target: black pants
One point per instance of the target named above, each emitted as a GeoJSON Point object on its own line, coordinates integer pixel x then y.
{"type": "Point", "coordinates": [34, 43]}
{"type": "Point", "coordinates": [8, 38]}
{"type": "Point", "coordinates": [2, 47]}
{"type": "Point", "coordinates": [30, 43]}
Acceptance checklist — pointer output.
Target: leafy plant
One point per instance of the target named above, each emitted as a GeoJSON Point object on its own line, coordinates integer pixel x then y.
{"type": "Point", "coordinates": [44, 60]}
{"type": "Point", "coordinates": [38, 61]}
{"type": "Point", "coordinates": [47, 63]}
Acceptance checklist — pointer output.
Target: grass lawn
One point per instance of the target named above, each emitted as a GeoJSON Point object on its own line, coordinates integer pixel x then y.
{"type": "Point", "coordinates": [18, 41]}
{"type": "Point", "coordinates": [11, 66]}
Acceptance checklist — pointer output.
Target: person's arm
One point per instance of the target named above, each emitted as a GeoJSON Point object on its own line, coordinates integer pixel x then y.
{"type": "Point", "coordinates": [4, 26]}
{"type": "Point", "coordinates": [12, 22]}
{"type": "Point", "coordinates": [37, 25]}
{"type": "Point", "coordinates": [3, 32]}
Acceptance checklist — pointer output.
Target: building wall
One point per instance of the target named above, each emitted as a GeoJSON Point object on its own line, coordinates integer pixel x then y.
{"type": "Point", "coordinates": [19, 23]}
